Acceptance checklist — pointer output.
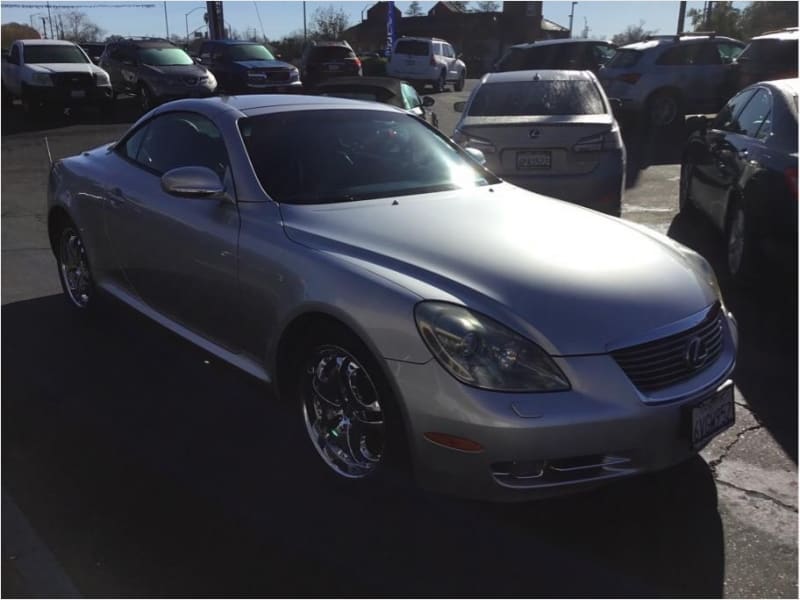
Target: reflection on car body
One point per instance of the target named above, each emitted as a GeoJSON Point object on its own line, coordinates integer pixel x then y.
{"type": "Point", "coordinates": [418, 312]}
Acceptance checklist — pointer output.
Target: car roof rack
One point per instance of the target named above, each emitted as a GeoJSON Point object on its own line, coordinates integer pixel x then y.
{"type": "Point", "coordinates": [677, 36]}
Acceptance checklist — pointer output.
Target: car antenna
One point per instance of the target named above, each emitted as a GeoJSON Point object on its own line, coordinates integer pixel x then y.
{"type": "Point", "coordinates": [47, 147]}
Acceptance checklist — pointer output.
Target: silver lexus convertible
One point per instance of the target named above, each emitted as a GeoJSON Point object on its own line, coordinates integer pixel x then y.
{"type": "Point", "coordinates": [422, 314]}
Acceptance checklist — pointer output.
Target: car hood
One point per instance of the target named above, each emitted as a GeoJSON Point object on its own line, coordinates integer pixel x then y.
{"type": "Point", "coordinates": [263, 64]}
{"type": "Point", "coordinates": [571, 279]}
{"type": "Point", "coordinates": [65, 68]}
{"type": "Point", "coordinates": [194, 70]}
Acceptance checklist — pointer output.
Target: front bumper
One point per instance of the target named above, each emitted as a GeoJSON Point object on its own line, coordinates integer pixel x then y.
{"type": "Point", "coordinates": [287, 87]}
{"type": "Point", "coordinates": [64, 96]}
{"type": "Point", "coordinates": [164, 93]}
{"type": "Point", "coordinates": [602, 429]}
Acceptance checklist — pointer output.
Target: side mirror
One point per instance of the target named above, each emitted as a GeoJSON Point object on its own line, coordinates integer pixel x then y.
{"type": "Point", "coordinates": [279, 56]}
{"type": "Point", "coordinates": [696, 123]}
{"type": "Point", "coordinates": [192, 182]}
{"type": "Point", "coordinates": [427, 101]}
{"type": "Point", "coordinates": [476, 155]}
{"type": "Point", "coordinates": [459, 106]}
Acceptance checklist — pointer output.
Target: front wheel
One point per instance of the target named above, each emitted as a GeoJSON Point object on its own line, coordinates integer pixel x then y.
{"type": "Point", "coordinates": [740, 244]}
{"type": "Point", "coordinates": [146, 99]}
{"type": "Point", "coordinates": [663, 109]}
{"type": "Point", "coordinates": [348, 410]}
{"type": "Point", "coordinates": [459, 85]}
{"type": "Point", "coordinates": [685, 203]}
{"type": "Point", "coordinates": [441, 83]}
{"type": "Point", "coordinates": [73, 268]}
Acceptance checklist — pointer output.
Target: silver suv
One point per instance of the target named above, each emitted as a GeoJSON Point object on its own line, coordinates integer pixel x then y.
{"type": "Point", "coordinates": [665, 77]}
{"type": "Point", "coordinates": [422, 61]}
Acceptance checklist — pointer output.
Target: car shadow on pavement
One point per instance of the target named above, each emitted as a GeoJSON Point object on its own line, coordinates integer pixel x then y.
{"type": "Point", "coordinates": [766, 312]}
{"type": "Point", "coordinates": [123, 110]}
{"type": "Point", "coordinates": [151, 469]}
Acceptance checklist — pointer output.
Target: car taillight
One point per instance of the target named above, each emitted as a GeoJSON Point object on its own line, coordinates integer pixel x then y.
{"type": "Point", "coordinates": [790, 175]}
{"type": "Point", "coordinates": [610, 140]}
{"type": "Point", "coordinates": [630, 77]}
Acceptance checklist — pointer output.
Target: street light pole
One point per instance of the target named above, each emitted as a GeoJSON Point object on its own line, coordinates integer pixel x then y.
{"type": "Point", "coordinates": [571, 15]}
{"type": "Point", "coordinates": [166, 20]}
{"type": "Point", "coordinates": [186, 19]}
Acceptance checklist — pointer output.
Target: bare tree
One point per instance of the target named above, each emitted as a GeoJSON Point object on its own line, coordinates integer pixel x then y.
{"type": "Point", "coordinates": [329, 23]}
{"type": "Point", "coordinates": [414, 10]}
{"type": "Point", "coordinates": [488, 6]}
{"type": "Point", "coordinates": [632, 33]}
{"type": "Point", "coordinates": [78, 28]}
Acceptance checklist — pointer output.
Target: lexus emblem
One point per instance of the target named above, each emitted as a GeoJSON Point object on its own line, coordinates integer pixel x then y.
{"type": "Point", "coordinates": [696, 353]}
{"type": "Point", "coordinates": [534, 133]}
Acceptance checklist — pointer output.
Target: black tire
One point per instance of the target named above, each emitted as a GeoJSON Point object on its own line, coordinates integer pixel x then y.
{"type": "Point", "coordinates": [8, 98]}
{"type": "Point", "coordinates": [685, 202]}
{"type": "Point", "coordinates": [741, 246]}
{"type": "Point", "coordinates": [441, 83]}
{"type": "Point", "coordinates": [147, 101]}
{"type": "Point", "coordinates": [74, 270]}
{"type": "Point", "coordinates": [664, 109]}
{"type": "Point", "coordinates": [315, 365]}
{"type": "Point", "coordinates": [459, 85]}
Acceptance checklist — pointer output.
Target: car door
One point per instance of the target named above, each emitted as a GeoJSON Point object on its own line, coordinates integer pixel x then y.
{"type": "Point", "coordinates": [452, 62]}
{"type": "Point", "coordinates": [178, 254]}
{"type": "Point", "coordinates": [713, 161]}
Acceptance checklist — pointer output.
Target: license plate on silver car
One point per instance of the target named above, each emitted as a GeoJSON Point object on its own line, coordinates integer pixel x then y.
{"type": "Point", "coordinates": [530, 159]}
{"type": "Point", "coordinates": [712, 416]}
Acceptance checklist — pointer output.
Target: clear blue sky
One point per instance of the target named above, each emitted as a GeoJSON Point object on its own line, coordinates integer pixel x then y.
{"type": "Point", "coordinates": [279, 18]}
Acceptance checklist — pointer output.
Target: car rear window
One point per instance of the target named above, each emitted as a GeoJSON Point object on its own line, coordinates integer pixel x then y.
{"type": "Point", "coordinates": [624, 59]}
{"type": "Point", "coordinates": [412, 47]}
{"type": "Point", "coordinates": [781, 52]}
{"type": "Point", "coordinates": [331, 53]}
{"type": "Point", "coordinates": [537, 98]}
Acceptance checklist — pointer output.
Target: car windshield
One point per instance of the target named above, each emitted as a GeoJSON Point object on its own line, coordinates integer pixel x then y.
{"type": "Point", "coordinates": [54, 54]}
{"type": "Point", "coordinates": [163, 57]}
{"type": "Point", "coordinates": [342, 155]}
{"type": "Point", "coordinates": [249, 52]}
{"type": "Point", "coordinates": [529, 98]}
{"type": "Point", "coordinates": [624, 59]}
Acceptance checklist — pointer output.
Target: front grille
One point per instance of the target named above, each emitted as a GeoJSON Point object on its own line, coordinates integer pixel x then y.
{"type": "Point", "coordinates": [72, 80]}
{"type": "Point", "coordinates": [670, 360]}
{"type": "Point", "coordinates": [276, 75]}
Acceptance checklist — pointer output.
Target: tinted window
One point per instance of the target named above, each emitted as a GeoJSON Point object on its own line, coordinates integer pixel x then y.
{"type": "Point", "coordinates": [685, 55]}
{"type": "Point", "coordinates": [755, 115]}
{"type": "Point", "coordinates": [725, 119]}
{"type": "Point", "coordinates": [179, 140]}
{"type": "Point", "coordinates": [602, 53]}
{"type": "Point", "coordinates": [313, 157]}
{"type": "Point", "coordinates": [778, 52]}
{"type": "Point", "coordinates": [331, 53]}
{"type": "Point", "coordinates": [249, 52]}
{"type": "Point", "coordinates": [130, 147]}
{"type": "Point", "coordinates": [565, 97]}
{"type": "Point", "coordinates": [163, 57]}
{"type": "Point", "coordinates": [728, 52]}
{"type": "Point", "coordinates": [54, 54]}
{"type": "Point", "coordinates": [14, 55]}
{"type": "Point", "coordinates": [513, 60]}
{"type": "Point", "coordinates": [623, 59]}
{"type": "Point", "coordinates": [413, 47]}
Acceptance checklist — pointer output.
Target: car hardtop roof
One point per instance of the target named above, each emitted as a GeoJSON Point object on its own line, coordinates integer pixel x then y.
{"type": "Point", "coordinates": [538, 75]}
{"type": "Point", "coordinates": [417, 38]}
{"type": "Point", "coordinates": [233, 42]}
{"type": "Point", "coordinates": [789, 33]}
{"type": "Point", "coordinates": [559, 42]}
{"type": "Point", "coordinates": [146, 42]}
{"type": "Point", "coordinates": [46, 43]}
{"type": "Point", "coordinates": [672, 40]}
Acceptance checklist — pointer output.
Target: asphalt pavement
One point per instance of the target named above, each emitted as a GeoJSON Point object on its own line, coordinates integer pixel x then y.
{"type": "Point", "coordinates": [135, 464]}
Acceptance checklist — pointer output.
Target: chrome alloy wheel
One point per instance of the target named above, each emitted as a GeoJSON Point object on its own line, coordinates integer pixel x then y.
{"type": "Point", "coordinates": [73, 267]}
{"type": "Point", "coordinates": [342, 412]}
{"type": "Point", "coordinates": [736, 241]}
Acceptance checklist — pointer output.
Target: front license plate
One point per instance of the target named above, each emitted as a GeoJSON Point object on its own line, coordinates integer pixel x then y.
{"type": "Point", "coordinates": [712, 416]}
{"type": "Point", "coordinates": [78, 93]}
{"type": "Point", "coordinates": [534, 160]}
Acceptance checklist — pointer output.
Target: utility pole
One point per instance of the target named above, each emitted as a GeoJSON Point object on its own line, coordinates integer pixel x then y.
{"type": "Point", "coordinates": [50, 19]}
{"type": "Point", "coordinates": [681, 17]}
{"type": "Point", "coordinates": [166, 20]}
{"type": "Point", "coordinates": [707, 24]}
{"type": "Point", "coordinates": [571, 15]}
{"type": "Point", "coordinates": [305, 29]}
{"type": "Point", "coordinates": [44, 27]}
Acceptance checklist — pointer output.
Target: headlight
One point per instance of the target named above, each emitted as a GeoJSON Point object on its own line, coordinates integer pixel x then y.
{"type": "Point", "coordinates": [41, 79]}
{"type": "Point", "coordinates": [294, 74]}
{"type": "Point", "coordinates": [212, 81]}
{"type": "Point", "coordinates": [481, 352]}
{"type": "Point", "coordinates": [101, 79]}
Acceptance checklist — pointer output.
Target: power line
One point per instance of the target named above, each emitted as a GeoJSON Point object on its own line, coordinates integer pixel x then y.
{"type": "Point", "coordinates": [92, 5]}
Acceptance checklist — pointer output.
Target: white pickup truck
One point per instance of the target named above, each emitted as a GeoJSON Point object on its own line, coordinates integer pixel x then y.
{"type": "Point", "coordinates": [52, 73]}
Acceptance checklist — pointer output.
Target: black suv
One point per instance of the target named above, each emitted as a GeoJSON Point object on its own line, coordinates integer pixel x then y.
{"type": "Point", "coordinates": [324, 60]}
{"type": "Point", "coordinates": [247, 67]}
{"type": "Point", "coordinates": [772, 55]}
{"type": "Point", "coordinates": [156, 71]}
{"type": "Point", "coordinates": [557, 54]}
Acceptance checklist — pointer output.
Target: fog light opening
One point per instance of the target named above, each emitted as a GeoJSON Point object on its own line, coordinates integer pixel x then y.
{"type": "Point", "coordinates": [520, 469]}
{"type": "Point", "coordinates": [453, 442]}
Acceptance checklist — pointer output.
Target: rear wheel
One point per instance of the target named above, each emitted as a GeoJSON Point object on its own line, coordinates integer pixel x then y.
{"type": "Point", "coordinates": [741, 245]}
{"type": "Point", "coordinates": [663, 109]}
{"type": "Point", "coordinates": [73, 268]}
{"type": "Point", "coordinates": [146, 98]}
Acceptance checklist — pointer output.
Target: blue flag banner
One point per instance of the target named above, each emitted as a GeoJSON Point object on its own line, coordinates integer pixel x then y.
{"type": "Point", "coordinates": [391, 36]}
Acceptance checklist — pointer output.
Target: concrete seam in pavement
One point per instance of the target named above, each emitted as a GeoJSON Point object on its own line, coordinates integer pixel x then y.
{"type": "Point", "coordinates": [758, 494]}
